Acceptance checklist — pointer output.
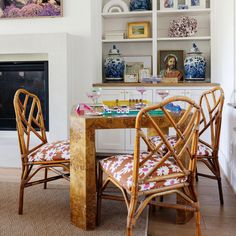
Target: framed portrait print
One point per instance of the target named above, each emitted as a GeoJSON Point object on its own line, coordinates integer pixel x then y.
{"type": "Point", "coordinates": [168, 5]}
{"type": "Point", "coordinates": [138, 30]}
{"type": "Point", "coordinates": [171, 64]}
{"type": "Point", "coordinates": [192, 4]}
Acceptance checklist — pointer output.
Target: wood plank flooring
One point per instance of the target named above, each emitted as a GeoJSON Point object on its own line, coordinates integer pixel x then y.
{"type": "Point", "coordinates": [215, 220]}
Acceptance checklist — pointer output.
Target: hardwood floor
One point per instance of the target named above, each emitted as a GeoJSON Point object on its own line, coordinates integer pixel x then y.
{"type": "Point", "coordinates": [215, 220]}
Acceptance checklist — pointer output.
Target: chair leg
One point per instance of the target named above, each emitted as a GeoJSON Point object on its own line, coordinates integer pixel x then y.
{"type": "Point", "coordinates": [45, 177]}
{"type": "Point", "coordinates": [220, 191]}
{"type": "Point", "coordinates": [217, 168]}
{"type": "Point", "coordinates": [99, 194]}
{"type": "Point", "coordinates": [162, 198]}
{"type": "Point", "coordinates": [130, 217]}
{"type": "Point", "coordinates": [198, 224]}
{"type": "Point", "coordinates": [21, 198]}
{"type": "Point", "coordinates": [196, 175]}
{"type": "Point", "coordinates": [129, 231]}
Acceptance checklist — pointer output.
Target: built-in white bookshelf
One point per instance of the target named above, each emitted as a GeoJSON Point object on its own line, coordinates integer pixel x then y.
{"type": "Point", "coordinates": [159, 39]}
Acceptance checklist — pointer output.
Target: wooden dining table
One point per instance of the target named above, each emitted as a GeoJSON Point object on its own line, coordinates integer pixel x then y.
{"type": "Point", "coordinates": [83, 163]}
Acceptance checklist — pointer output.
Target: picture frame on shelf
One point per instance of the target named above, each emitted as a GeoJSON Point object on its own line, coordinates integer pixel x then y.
{"type": "Point", "coordinates": [196, 4]}
{"type": "Point", "coordinates": [144, 73]}
{"type": "Point", "coordinates": [137, 30]}
{"type": "Point", "coordinates": [133, 64]}
{"type": "Point", "coordinates": [132, 70]}
{"type": "Point", "coordinates": [133, 78]}
{"type": "Point", "coordinates": [168, 5]}
{"type": "Point", "coordinates": [171, 64]}
{"type": "Point", "coordinates": [182, 5]}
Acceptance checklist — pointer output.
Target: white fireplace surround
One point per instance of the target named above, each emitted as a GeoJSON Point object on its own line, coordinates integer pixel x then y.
{"type": "Point", "coordinates": [57, 49]}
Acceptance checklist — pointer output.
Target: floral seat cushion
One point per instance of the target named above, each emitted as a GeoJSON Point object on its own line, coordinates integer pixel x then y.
{"type": "Point", "coordinates": [120, 168]}
{"type": "Point", "coordinates": [203, 150]}
{"type": "Point", "coordinates": [56, 151]}
{"type": "Point", "coordinates": [156, 140]}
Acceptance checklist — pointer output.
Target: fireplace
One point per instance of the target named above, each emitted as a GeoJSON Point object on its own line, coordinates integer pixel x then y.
{"type": "Point", "coordinates": [29, 75]}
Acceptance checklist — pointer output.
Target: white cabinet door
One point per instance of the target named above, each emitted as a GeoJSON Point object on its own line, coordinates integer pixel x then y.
{"type": "Point", "coordinates": [194, 94]}
{"type": "Point", "coordinates": [130, 133]}
{"type": "Point", "coordinates": [111, 140]}
{"type": "Point", "coordinates": [172, 93]}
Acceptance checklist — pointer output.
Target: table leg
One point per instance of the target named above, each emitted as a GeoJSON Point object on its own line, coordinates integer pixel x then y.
{"type": "Point", "coordinates": [82, 175]}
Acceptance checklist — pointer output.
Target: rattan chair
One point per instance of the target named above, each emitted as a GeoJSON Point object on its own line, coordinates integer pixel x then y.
{"type": "Point", "coordinates": [36, 152]}
{"type": "Point", "coordinates": [211, 102]}
{"type": "Point", "coordinates": [142, 177]}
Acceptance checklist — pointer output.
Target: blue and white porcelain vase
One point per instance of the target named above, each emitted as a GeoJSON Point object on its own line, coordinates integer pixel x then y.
{"type": "Point", "coordinates": [195, 65]}
{"type": "Point", "coordinates": [140, 5]}
{"type": "Point", "coordinates": [114, 65]}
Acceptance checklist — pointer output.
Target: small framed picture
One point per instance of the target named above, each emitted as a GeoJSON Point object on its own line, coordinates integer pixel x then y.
{"type": "Point", "coordinates": [197, 4]}
{"type": "Point", "coordinates": [131, 78]}
{"type": "Point", "coordinates": [171, 64]}
{"type": "Point", "coordinates": [144, 74]}
{"type": "Point", "coordinates": [182, 5]}
{"type": "Point", "coordinates": [168, 5]}
{"type": "Point", "coordinates": [133, 68]}
{"type": "Point", "coordinates": [138, 30]}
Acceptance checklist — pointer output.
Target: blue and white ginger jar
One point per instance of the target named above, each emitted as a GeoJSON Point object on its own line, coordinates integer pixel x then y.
{"type": "Point", "coordinates": [195, 65]}
{"type": "Point", "coordinates": [114, 65]}
{"type": "Point", "coordinates": [140, 5]}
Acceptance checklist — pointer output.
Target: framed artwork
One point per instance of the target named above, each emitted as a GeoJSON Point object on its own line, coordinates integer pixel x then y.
{"type": "Point", "coordinates": [144, 73]}
{"type": "Point", "coordinates": [133, 78]}
{"type": "Point", "coordinates": [133, 65]}
{"type": "Point", "coordinates": [30, 8]}
{"type": "Point", "coordinates": [138, 30]}
{"type": "Point", "coordinates": [168, 5]}
{"type": "Point", "coordinates": [133, 68]}
{"type": "Point", "coordinates": [197, 3]}
{"type": "Point", "coordinates": [171, 64]}
{"type": "Point", "coordinates": [182, 5]}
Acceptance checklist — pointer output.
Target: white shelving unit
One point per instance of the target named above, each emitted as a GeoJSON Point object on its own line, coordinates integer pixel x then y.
{"type": "Point", "coordinates": [127, 40]}
{"type": "Point", "coordinates": [200, 38]}
{"type": "Point", "coordinates": [159, 33]}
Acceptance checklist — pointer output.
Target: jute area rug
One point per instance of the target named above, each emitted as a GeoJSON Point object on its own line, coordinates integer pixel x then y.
{"type": "Point", "coordinates": [47, 212]}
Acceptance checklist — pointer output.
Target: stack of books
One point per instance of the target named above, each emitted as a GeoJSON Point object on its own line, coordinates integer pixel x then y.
{"type": "Point", "coordinates": [114, 35]}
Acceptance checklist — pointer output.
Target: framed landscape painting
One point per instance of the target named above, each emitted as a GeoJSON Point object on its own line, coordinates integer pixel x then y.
{"type": "Point", "coordinates": [30, 8]}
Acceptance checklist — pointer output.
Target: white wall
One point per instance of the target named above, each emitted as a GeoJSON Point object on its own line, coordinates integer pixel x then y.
{"type": "Point", "coordinates": [76, 21]}
{"type": "Point", "coordinates": [223, 71]}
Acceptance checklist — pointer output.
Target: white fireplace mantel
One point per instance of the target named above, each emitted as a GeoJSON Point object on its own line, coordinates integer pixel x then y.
{"type": "Point", "coordinates": [60, 51]}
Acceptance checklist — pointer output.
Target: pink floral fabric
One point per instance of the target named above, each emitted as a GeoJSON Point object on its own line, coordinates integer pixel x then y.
{"type": "Point", "coordinates": [203, 150]}
{"type": "Point", "coordinates": [156, 140]}
{"type": "Point", "coordinates": [120, 168]}
{"type": "Point", "coordinates": [56, 151]}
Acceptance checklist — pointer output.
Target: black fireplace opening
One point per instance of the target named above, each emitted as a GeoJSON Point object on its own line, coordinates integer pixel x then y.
{"type": "Point", "coordinates": [29, 75]}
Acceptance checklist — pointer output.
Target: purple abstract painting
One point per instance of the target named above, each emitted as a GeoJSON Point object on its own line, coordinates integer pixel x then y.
{"type": "Point", "coordinates": [30, 8]}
